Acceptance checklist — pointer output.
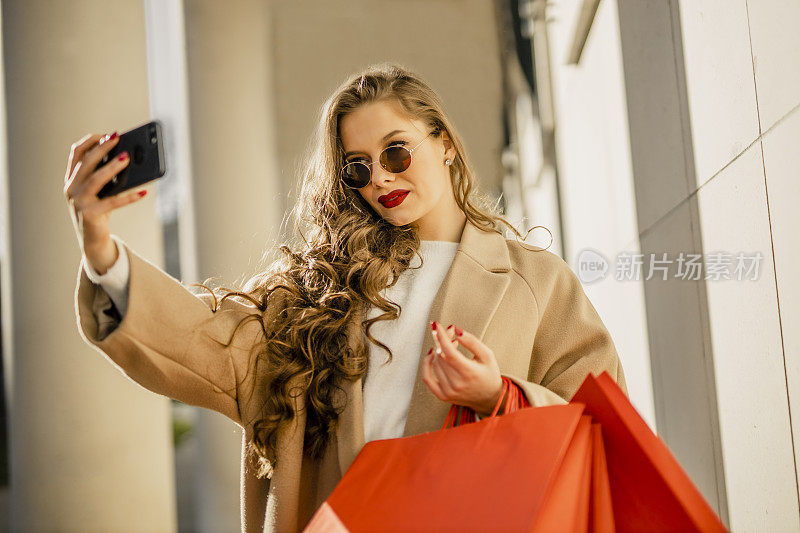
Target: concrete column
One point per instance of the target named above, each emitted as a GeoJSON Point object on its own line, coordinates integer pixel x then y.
{"type": "Point", "coordinates": [596, 179]}
{"type": "Point", "coordinates": [698, 153]}
{"type": "Point", "coordinates": [740, 70]}
{"type": "Point", "coordinates": [236, 188]}
{"type": "Point", "coordinates": [676, 310]}
{"type": "Point", "coordinates": [89, 449]}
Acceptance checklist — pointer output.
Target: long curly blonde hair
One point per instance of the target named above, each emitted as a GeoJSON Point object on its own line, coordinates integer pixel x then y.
{"type": "Point", "coordinates": [350, 254]}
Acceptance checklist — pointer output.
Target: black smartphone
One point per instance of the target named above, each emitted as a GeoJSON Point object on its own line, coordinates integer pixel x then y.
{"type": "Point", "coordinates": [145, 146]}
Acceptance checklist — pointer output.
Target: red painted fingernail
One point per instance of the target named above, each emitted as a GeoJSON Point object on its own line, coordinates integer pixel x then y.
{"type": "Point", "coordinates": [123, 156]}
{"type": "Point", "coordinates": [113, 136]}
{"type": "Point", "coordinates": [142, 193]}
{"type": "Point", "coordinates": [433, 325]}
{"type": "Point", "coordinates": [429, 351]}
{"type": "Point", "coordinates": [459, 331]}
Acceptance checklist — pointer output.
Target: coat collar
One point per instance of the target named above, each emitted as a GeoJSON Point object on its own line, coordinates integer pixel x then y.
{"type": "Point", "coordinates": [468, 296]}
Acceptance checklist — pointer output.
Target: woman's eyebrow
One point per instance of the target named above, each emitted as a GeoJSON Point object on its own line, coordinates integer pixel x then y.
{"type": "Point", "coordinates": [348, 154]}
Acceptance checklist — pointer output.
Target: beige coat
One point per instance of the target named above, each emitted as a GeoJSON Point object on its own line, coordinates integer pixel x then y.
{"type": "Point", "coordinates": [528, 307]}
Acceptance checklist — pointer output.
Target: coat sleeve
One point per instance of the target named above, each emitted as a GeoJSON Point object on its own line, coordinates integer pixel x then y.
{"type": "Point", "coordinates": [571, 340]}
{"type": "Point", "coordinates": [115, 280]}
{"type": "Point", "coordinates": [170, 341]}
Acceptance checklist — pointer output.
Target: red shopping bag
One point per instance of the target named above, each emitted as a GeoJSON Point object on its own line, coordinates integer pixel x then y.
{"type": "Point", "coordinates": [459, 478]}
{"type": "Point", "coordinates": [563, 468]}
{"type": "Point", "coordinates": [649, 489]}
{"type": "Point", "coordinates": [601, 511]}
{"type": "Point", "coordinates": [326, 520]}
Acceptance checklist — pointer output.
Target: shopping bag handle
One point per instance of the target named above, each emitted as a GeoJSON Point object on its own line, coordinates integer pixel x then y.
{"type": "Point", "coordinates": [459, 414]}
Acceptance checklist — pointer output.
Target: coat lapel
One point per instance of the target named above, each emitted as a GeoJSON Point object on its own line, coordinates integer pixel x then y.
{"type": "Point", "coordinates": [468, 296]}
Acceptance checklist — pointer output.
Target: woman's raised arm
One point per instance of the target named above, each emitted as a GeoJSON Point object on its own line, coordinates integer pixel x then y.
{"type": "Point", "coordinates": [170, 341]}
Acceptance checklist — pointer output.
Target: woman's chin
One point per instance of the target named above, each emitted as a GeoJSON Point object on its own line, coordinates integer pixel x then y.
{"type": "Point", "coordinates": [397, 219]}
{"type": "Point", "coordinates": [394, 222]}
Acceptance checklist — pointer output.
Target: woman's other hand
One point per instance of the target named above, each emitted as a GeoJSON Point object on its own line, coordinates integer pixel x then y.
{"type": "Point", "coordinates": [90, 214]}
{"type": "Point", "coordinates": [454, 378]}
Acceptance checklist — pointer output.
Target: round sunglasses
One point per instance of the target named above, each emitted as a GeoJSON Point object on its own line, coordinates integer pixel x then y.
{"type": "Point", "coordinates": [395, 159]}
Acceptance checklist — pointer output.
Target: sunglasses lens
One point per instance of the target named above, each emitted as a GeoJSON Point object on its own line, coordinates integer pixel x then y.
{"type": "Point", "coordinates": [356, 175]}
{"type": "Point", "coordinates": [395, 159]}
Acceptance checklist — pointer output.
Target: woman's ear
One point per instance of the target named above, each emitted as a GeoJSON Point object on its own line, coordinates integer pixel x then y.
{"type": "Point", "coordinates": [449, 149]}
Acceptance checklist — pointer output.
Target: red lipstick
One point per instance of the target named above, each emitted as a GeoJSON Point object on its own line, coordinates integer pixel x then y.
{"type": "Point", "coordinates": [394, 198]}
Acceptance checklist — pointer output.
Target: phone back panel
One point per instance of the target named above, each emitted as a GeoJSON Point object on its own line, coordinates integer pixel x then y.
{"type": "Point", "coordinates": [145, 145]}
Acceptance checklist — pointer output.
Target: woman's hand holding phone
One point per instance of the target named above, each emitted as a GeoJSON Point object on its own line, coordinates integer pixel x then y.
{"type": "Point", "coordinates": [90, 214]}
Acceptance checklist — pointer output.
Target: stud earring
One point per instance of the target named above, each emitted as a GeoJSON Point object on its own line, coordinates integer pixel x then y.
{"type": "Point", "coordinates": [447, 162]}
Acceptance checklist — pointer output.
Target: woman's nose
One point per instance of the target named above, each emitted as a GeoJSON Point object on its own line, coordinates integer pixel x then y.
{"type": "Point", "coordinates": [381, 176]}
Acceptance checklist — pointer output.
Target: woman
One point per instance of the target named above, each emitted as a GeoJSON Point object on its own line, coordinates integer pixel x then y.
{"type": "Point", "coordinates": [330, 347]}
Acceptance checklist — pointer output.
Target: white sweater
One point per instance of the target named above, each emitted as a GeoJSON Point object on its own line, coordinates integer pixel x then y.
{"type": "Point", "coordinates": [387, 388]}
